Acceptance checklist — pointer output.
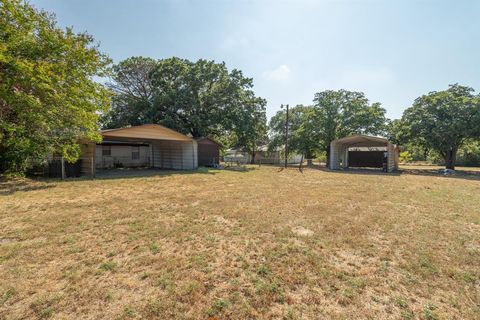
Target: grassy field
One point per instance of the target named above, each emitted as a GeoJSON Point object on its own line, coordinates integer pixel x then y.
{"type": "Point", "coordinates": [259, 244]}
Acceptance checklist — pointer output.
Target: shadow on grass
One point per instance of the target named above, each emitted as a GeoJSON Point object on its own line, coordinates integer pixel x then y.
{"type": "Point", "coordinates": [459, 174]}
{"type": "Point", "coordinates": [11, 186]}
{"type": "Point", "coordinates": [127, 173]}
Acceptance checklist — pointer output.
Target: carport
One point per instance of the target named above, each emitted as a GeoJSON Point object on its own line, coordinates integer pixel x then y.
{"type": "Point", "coordinates": [362, 151]}
{"type": "Point", "coordinates": [148, 145]}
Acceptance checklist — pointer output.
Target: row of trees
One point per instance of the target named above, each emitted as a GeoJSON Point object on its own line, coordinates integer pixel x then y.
{"type": "Point", "coordinates": [439, 123]}
{"type": "Point", "coordinates": [49, 101]}
{"type": "Point", "coordinates": [334, 114]}
{"type": "Point", "coordinates": [199, 98]}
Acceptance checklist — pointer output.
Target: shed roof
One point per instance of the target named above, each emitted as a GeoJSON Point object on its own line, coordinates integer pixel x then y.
{"type": "Point", "coordinates": [209, 139]}
{"type": "Point", "coordinates": [146, 131]}
{"type": "Point", "coordinates": [362, 141]}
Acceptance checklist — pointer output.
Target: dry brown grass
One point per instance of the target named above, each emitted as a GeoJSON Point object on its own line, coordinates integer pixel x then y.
{"type": "Point", "coordinates": [242, 245]}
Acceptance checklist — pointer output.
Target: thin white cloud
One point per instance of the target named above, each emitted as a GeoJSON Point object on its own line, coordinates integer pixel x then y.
{"type": "Point", "coordinates": [280, 74]}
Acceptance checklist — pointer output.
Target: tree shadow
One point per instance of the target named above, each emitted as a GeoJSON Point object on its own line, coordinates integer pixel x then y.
{"type": "Point", "coordinates": [126, 173]}
{"type": "Point", "coordinates": [459, 174]}
{"type": "Point", "coordinates": [11, 186]}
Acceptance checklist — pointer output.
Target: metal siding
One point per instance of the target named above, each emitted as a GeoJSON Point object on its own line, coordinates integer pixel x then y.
{"type": "Point", "coordinates": [179, 155]}
{"type": "Point", "coordinates": [208, 153]}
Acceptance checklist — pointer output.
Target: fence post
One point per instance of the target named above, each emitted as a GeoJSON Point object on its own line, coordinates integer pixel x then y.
{"type": "Point", "coordinates": [63, 168]}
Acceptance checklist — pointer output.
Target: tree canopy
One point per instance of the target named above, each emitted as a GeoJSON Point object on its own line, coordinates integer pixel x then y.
{"type": "Point", "coordinates": [199, 98]}
{"type": "Point", "coordinates": [442, 121]}
{"type": "Point", "coordinates": [335, 114]}
{"type": "Point", "coordinates": [303, 137]}
{"type": "Point", "coordinates": [48, 98]}
{"type": "Point", "coordinates": [132, 93]}
{"type": "Point", "coordinates": [342, 113]}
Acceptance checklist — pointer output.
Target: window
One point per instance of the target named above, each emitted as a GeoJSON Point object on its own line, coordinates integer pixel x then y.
{"type": "Point", "coordinates": [135, 152]}
{"type": "Point", "coordinates": [106, 151]}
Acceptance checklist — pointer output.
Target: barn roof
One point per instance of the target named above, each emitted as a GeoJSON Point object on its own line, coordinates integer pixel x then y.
{"type": "Point", "coordinates": [146, 131]}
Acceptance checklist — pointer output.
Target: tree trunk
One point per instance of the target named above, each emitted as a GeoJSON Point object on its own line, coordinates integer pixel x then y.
{"type": "Point", "coordinates": [252, 161]}
{"type": "Point", "coordinates": [450, 158]}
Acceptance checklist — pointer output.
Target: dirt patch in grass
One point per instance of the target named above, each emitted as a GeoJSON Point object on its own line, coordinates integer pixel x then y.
{"type": "Point", "coordinates": [257, 244]}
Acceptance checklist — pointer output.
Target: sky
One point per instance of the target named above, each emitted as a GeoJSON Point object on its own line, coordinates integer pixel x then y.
{"type": "Point", "coordinates": [393, 51]}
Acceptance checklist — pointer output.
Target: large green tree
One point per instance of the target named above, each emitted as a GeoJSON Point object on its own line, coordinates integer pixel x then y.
{"type": "Point", "coordinates": [443, 121]}
{"type": "Point", "coordinates": [48, 98]}
{"type": "Point", "coordinates": [342, 113]}
{"type": "Point", "coordinates": [199, 98]}
{"type": "Point", "coordinates": [249, 129]}
{"type": "Point", "coordinates": [132, 93]}
{"type": "Point", "coordinates": [303, 137]}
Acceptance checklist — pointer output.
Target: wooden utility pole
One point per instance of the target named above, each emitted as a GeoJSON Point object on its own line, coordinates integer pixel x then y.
{"type": "Point", "coordinates": [286, 139]}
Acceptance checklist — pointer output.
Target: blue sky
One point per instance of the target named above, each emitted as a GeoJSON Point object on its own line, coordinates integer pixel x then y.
{"type": "Point", "coordinates": [394, 51]}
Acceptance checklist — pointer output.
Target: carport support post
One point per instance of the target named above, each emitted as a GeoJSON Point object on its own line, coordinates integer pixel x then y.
{"type": "Point", "coordinates": [346, 157]}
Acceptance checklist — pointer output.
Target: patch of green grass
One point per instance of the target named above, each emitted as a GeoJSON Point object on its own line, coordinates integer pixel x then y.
{"type": "Point", "coordinates": [154, 248]}
{"type": "Point", "coordinates": [108, 266]}
{"type": "Point", "coordinates": [164, 281]}
{"type": "Point", "coordinates": [129, 311]}
{"type": "Point", "coordinates": [291, 315]}
{"type": "Point", "coordinates": [217, 307]}
{"type": "Point", "coordinates": [426, 264]}
{"type": "Point", "coordinates": [68, 240]}
{"type": "Point", "coordinates": [199, 261]}
{"type": "Point", "coordinates": [357, 283]}
{"type": "Point", "coordinates": [157, 309]}
{"type": "Point", "coordinates": [270, 290]}
{"type": "Point", "coordinates": [400, 302]}
{"type": "Point", "coordinates": [44, 306]}
{"type": "Point", "coordinates": [263, 271]}
{"type": "Point", "coordinates": [468, 277]}
{"type": "Point", "coordinates": [407, 314]}
{"type": "Point", "coordinates": [7, 295]}
{"type": "Point", "coordinates": [109, 296]}
{"type": "Point", "coordinates": [429, 312]}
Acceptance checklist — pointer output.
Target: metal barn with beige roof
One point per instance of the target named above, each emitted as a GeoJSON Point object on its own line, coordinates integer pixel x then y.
{"type": "Point", "coordinates": [362, 151]}
{"type": "Point", "coordinates": [149, 145]}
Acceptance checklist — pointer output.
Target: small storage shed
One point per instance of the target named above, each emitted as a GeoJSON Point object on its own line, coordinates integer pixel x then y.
{"type": "Point", "coordinates": [363, 151]}
{"type": "Point", "coordinates": [149, 145]}
{"type": "Point", "coordinates": [208, 152]}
